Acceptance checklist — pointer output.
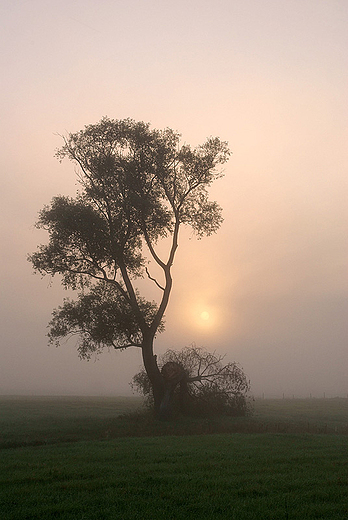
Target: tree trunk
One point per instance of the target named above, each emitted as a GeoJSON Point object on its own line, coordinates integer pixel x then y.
{"type": "Point", "coordinates": [172, 373]}
{"type": "Point", "coordinates": [167, 402]}
{"type": "Point", "coordinates": [184, 397]}
{"type": "Point", "coordinates": [163, 382]}
{"type": "Point", "coordinates": [154, 374]}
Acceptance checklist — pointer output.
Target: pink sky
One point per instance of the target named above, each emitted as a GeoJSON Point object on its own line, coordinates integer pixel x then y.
{"type": "Point", "coordinates": [271, 78]}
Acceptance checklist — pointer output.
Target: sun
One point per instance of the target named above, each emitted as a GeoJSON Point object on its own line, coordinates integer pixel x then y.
{"type": "Point", "coordinates": [200, 316]}
{"type": "Point", "coordinates": [205, 315]}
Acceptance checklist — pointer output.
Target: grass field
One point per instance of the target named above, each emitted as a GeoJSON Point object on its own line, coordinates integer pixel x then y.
{"type": "Point", "coordinates": [73, 458]}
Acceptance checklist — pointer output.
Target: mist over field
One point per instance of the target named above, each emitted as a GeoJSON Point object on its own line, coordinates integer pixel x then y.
{"type": "Point", "coordinates": [270, 289]}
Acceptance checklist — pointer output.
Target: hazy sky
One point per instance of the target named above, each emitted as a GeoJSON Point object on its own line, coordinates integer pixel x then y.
{"type": "Point", "coordinates": [270, 77]}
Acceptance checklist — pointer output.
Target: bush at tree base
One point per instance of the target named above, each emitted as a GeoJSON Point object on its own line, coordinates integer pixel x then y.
{"type": "Point", "coordinates": [206, 387]}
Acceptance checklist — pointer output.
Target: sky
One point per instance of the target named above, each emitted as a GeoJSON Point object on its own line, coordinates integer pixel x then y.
{"type": "Point", "coordinates": [270, 77]}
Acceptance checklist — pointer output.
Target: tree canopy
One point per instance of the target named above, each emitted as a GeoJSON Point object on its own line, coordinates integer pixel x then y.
{"type": "Point", "coordinates": [137, 186]}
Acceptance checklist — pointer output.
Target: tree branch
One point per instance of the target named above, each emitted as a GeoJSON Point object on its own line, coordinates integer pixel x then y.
{"type": "Point", "coordinates": [153, 279]}
{"type": "Point", "coordinates": [128, 345]}
{"type": "Point", "coordinates": [151, 248]}
{"type": "Point", "coordinates": [132, 296]}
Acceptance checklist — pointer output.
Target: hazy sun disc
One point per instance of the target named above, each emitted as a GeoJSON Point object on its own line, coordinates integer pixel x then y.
{"type": "Point", "coordinates": [205, 315]}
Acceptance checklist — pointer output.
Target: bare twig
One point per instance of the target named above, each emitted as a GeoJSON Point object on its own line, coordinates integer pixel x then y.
{"type": "Point", "coordinates": [153, 279]}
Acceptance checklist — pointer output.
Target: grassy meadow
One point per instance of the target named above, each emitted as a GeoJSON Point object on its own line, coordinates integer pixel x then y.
{"type": "Point", "coordinates": [95, 458]}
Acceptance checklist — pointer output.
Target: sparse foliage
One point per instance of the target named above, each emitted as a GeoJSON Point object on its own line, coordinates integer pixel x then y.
{"type": "Point", "coordinates": [138, 186]}
{"type": "Point", "coordinates": [207, 385]}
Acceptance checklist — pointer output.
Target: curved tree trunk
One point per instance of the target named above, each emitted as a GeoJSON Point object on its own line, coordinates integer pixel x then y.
{"type": "Point", "coordinates": [163, 382]}
{"type": "Point", "coordinates": [154, 374]}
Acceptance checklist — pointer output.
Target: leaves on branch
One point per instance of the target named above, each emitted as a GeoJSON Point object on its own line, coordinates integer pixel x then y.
{"type": "Point", "coordinates": [81, 245]}
{"type": "Point", "coordinates": [101, 318]}
{"type": "Point", "coordinates": [137, 186]}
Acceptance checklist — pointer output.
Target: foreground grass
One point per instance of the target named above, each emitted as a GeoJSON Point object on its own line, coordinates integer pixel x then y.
{"type": "Point", "coordinates": [252, 476]}
{"type": "Point", "coordinates": [97, 458]}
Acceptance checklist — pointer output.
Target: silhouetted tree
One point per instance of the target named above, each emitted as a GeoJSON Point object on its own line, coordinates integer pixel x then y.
{"type": "Point", "coordinates": [198, 383]}
{"type": "Point", "coordinates": [138, 186]}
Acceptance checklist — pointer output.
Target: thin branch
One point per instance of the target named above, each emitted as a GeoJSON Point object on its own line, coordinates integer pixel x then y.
{"type": "Point", "coordinates": [128, 345]}
{"type": "Point", "coordinates": [174, 243]}
{"type": "Point", "coordinates": [153, 279]}
{"type": "Point", "coordinates": [151, 248]}
{"type": "Point", "coordinates": [105, 278]}
{"type": "Point", "coordinates": [199, 367]}
{"type": "Point", "coordinates": [208, 377]}
{"type": "Point", "coordinates": [132, 298]}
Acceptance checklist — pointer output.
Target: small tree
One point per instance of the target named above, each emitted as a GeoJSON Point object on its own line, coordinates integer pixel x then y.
{"type": "Point", "coordinates": [199, 383]}
{"type": "Point", "coordinates": [138, 186]}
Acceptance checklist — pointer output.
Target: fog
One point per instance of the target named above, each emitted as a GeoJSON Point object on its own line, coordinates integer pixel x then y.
{"type": "Point", "coordinates": [269, 77]}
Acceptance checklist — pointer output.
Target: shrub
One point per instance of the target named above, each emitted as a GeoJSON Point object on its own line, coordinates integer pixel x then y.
{"type": "Point", "coordinates": [199, 384]}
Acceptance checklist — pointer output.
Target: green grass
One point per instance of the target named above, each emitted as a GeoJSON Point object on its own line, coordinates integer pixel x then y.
{"type": "Point", "coordinates": [77, 458]}
{"type": "Point", "coordinates": [303, 415]}
{"type": "Point", "coordinates": [47, 420]}
{"type": "Point", "coordinates": [214, 476]}
{"type": "Point", "coordinates": [26, 421]}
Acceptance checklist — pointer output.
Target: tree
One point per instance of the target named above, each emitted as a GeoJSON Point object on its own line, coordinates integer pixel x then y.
{"type": "Point", "coordinates": [199, 383]}
{"type": "Point", "coordinates": [138, 186]}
